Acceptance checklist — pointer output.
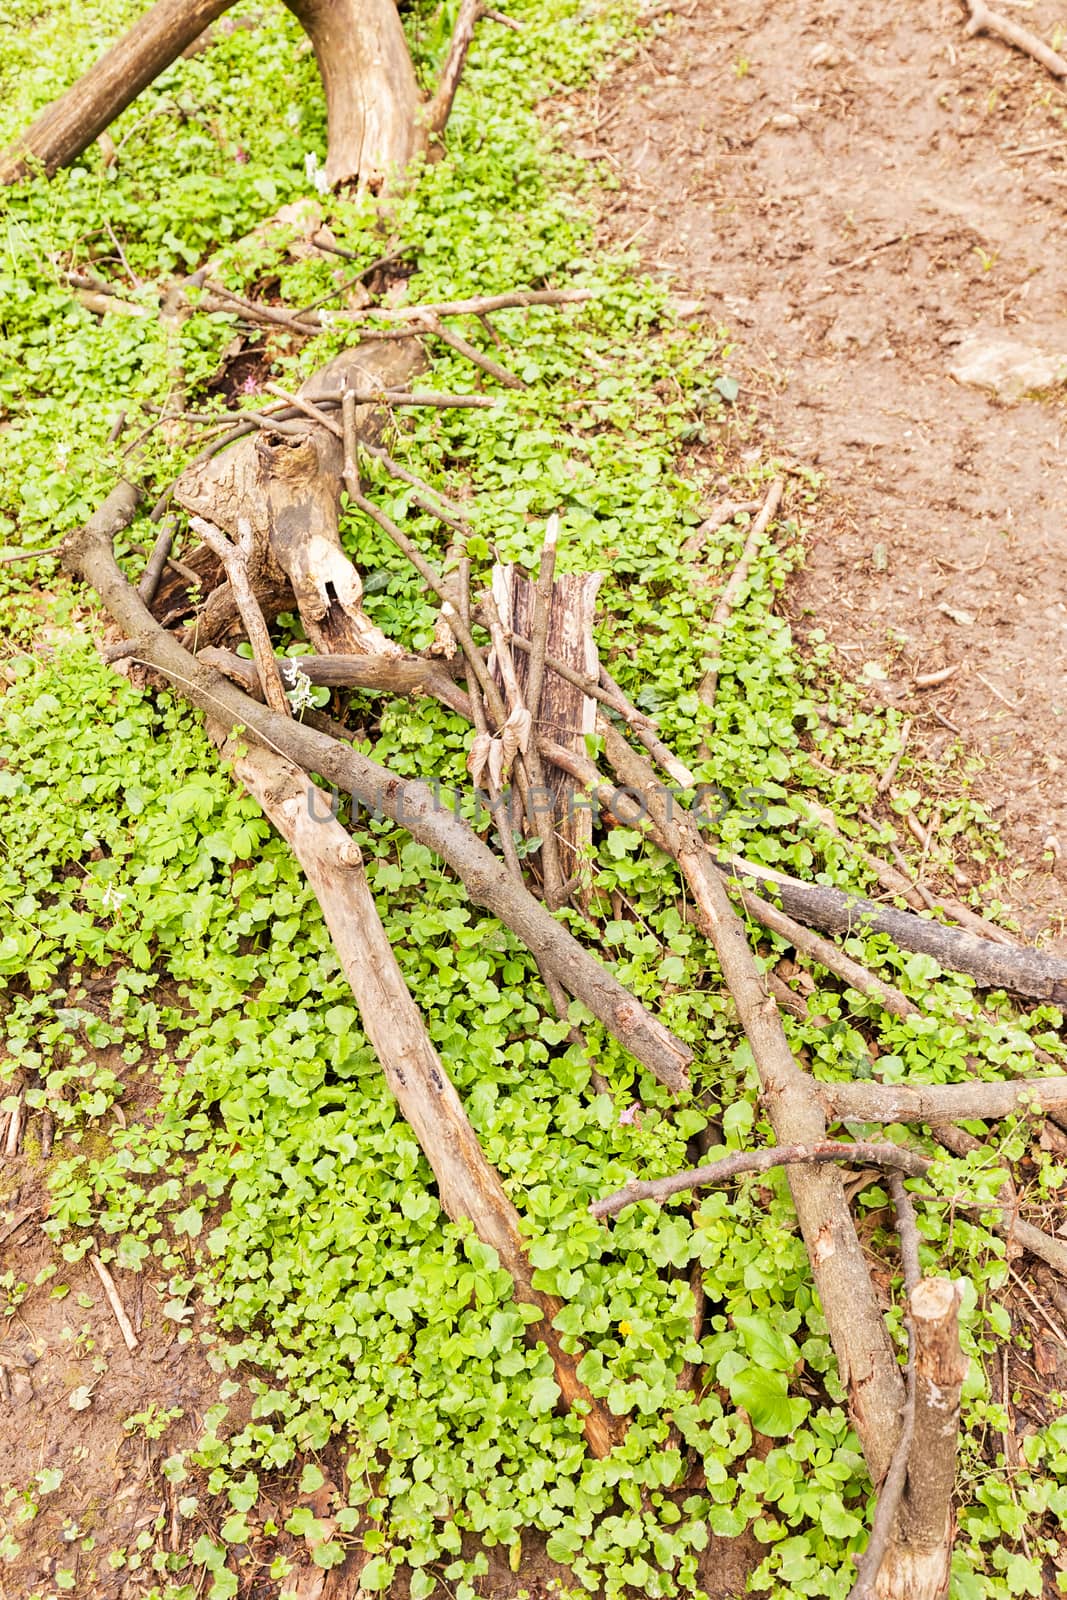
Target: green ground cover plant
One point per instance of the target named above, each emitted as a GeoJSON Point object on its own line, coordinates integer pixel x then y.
{"type": "Point", "coordinates": [263, 1175]}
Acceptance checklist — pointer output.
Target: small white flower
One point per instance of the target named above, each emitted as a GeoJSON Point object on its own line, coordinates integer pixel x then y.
{"type": "Point", "coordinates": [113, 898]}
{"type": "Point", "coordinates": [316, 176]}
{"type": "Point", "coordinates": [299, 687]}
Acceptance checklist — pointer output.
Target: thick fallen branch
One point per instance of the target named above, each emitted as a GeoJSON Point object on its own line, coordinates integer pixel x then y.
{"type": "Point", "coordinates": [1036, 973]}
{"type": "Point", "coordinates": [469, 1187]}
{"type": "Point", "coordinates": [941, 1102]}
{"type": "Point", "coordinates": [917, 1560]}
{"type": "Point", "coordinates": [414, 806]}
{"type": "Point", "coordinates": [400, 675]}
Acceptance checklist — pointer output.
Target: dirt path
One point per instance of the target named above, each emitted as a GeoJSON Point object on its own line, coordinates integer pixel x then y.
{"type": "Point", "coordinates": [869, 201]}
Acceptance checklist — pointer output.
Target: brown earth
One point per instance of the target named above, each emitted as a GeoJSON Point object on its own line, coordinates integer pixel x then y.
{"type": "Point", "coordinates": [858, 192]}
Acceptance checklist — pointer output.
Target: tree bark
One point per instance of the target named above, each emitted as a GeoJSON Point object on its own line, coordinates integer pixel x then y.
{"type": "Point", "coordinates": [468, 1186]}
{"type": "Point", "coordinates": [917, 1564]}
{"type": "Point", "coordinates": [371, 94]}
{"type": "Point", "coordinates": [288, 486]}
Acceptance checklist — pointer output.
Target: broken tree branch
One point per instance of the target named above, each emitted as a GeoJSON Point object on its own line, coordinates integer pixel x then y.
{"type": "Point", "coordinates": [469, 1187]}
{"type": "Point", "coordinates": [982, 20]}
{"type": "Point", "coordinates": [857, 1331]}
{"type": "Point", "coordinates": [414, 806]}
{"type": "Point", "coordinates": [729, 597]}
{"type": "Point", "coordinates": [235, 559]}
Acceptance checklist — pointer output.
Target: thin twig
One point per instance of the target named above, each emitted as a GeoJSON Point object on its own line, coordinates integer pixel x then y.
{"type": "Point", "coordinates": [470, 352]}
{"type": "Point", "coordinates": [437, 506]}
{"type": "Point", "coordinates": [860, 1153]}
{"type": "Point", "coordinates": [153, 571]}
{"type": "Point", "coordinates": [308, 407]}
{"type": "Point", "coordinates": [728, 599]}
{"type": "Point", "coordinates": [114, 1301]}
{"type": "Point", "coordinates": [10, 557]}
{"type": "Point", "coordinates": [891, 771]}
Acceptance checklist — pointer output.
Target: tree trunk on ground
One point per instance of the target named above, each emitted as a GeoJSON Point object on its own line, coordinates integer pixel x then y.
{"type": "Point", "coordinates": [371, 94]}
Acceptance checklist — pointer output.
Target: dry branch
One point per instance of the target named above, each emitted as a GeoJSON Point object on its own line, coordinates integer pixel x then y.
{"type": "Point", "coordinates": [414, 806]}
{"type": "Point", "coordinates": [859, 1153]}
{"type": "Point", "coordinates": [729, 597]}
{"type": "Point", "coordinates": [917, 1561]}
{"type": "Point", "coordinates": [114, 1300]}
{"type": "Point", "coordinates": [469, 1187]}
{"type": "Point", "coordinates": [982, 20]}
{"type": "Point", "coordinates": [941, 1102]}
{"type": "Point", "coordinates": [857, 1332]}
{"type": "Point", "coordinates": [235, 559]}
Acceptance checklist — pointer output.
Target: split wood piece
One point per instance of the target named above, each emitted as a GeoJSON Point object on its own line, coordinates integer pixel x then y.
{"type": "Point", "coordinates": [290, 493]}
{"type": "Point", "coordinates": [826, 954]}
{"type": "Point", "coordinates": [114, 1300]}
{"type": "Point", "coordinates": [468, 1186]}
{"type": "Point", "coordinates": [865, 1356]}
{"type": "Point", "coordinates": [401, 675]}
{"type": "Point", "coordinates": [565, 713]}
{"type": "Point", "coordinates": [236, 559]}
{"type": "Point", "coordinates": [368, 78]}
{"type": "Point", "coordinates": [982, 20]}
{"type": "Point", "coordinates": [825, 1153]}
{"type": "Point", "coordinates": [1036, 973]}
{"type": "Point", "coordinates": [89, 554]}
{"type": "Point", "coordinates": [917, 1561]}
{"type": "Point", "coordinates": [516, 741]}
{"type": "Point", "coordinates": [729, 597]}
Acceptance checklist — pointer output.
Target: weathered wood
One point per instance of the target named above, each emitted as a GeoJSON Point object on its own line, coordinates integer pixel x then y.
{"type": "Point", "coordinates": [468, 1186]}
{"type": "Point", "coordinates": [565, 714]}
{"type": "Point", "coordinates": [864, 1352]}
{"type": "Point", "coordinates": [371, 93]}
{"type": "Point", "coordinates": [414, 806]}
{"type": "Point", "coordinates": [288, 487]}
{"type": "Point", "coordinates": [917, 1564]}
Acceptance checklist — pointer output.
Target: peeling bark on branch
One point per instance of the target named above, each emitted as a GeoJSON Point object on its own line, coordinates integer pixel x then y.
{"type": "Point", "coordinates": [918, 1561]}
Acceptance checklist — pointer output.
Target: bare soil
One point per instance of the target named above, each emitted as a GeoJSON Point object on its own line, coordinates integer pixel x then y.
{"type": "Point", "coordinates": [858, 192]}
